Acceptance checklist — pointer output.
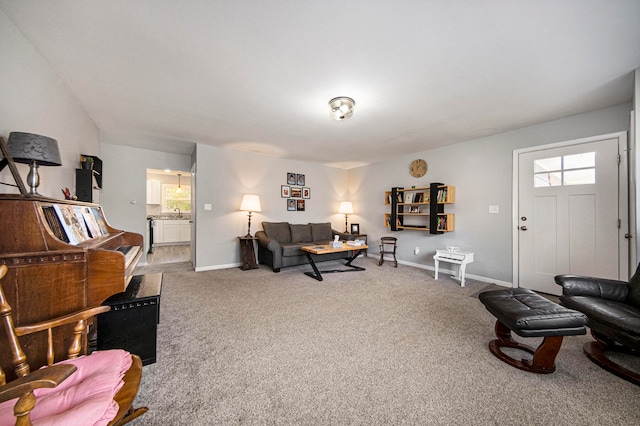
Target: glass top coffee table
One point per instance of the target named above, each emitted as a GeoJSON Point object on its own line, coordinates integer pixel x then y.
{"type": "Point", "coordinates": [319, 250]}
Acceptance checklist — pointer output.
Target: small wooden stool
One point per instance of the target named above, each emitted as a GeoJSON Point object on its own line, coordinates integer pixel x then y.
{"type": "Point", "coordinates": [388, 242]}
{"type": "Point", "coordinates": [530, 315]}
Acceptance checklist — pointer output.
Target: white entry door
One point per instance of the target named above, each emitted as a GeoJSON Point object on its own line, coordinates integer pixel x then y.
{"type": "Point", "coordinates": [568, 214]}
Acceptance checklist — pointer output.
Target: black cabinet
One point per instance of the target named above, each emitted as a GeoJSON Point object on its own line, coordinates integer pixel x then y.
{"type": "Point", "coordinates": [131, 324]}
{"type": "Point", "coordinates": [84, 185]}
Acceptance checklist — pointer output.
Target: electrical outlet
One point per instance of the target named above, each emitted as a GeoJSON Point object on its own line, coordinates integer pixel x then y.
{"type": "Point", "coordinates": [416, 250]}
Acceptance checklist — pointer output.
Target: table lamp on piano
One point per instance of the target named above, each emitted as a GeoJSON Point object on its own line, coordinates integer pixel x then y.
{"type": "Point", "coordinates": [35, 150]}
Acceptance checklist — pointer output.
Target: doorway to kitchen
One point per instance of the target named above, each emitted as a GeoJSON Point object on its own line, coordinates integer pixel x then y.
{"type": "Point", "coordinates": [168, 216]}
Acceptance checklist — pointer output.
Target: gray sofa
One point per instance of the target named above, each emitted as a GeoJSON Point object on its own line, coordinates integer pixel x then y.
{"type": "Point", "coordinates": [279, 243]}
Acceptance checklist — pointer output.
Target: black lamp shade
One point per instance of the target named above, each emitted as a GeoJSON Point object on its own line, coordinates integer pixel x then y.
{"type": "Point", "coordinates": [29, 147]}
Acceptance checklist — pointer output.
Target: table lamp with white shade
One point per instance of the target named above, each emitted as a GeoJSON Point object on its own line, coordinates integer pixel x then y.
{"type": "Point", "coordinates": [250, 203]}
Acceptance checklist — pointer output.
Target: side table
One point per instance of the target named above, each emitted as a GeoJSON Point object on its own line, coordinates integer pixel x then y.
{"type": "Point", "coordinates": [247, 253]}
{"type": "Point", "coordinates": [362, 237]}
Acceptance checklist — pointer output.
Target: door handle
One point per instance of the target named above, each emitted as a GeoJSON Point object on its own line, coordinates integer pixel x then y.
{"type": "Point", "coordinates": [523, 228]}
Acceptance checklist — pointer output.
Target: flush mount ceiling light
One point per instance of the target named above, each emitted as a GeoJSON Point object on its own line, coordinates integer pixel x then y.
{"type": "Point", "coordinates": [341, 107]}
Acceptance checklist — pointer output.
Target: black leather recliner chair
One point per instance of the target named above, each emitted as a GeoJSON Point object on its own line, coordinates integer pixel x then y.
{"type": "Point", "coordinates": [613, 309]}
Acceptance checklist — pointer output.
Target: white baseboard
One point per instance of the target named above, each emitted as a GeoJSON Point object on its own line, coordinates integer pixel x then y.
{"type": "Point", "coordinates": [452, 272]}
{"type": "Point", "coordinates": [214, 267]}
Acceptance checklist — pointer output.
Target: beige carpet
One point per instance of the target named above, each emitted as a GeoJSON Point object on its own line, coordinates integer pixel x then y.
{"type": "Point", "coordinates": [383, 346]}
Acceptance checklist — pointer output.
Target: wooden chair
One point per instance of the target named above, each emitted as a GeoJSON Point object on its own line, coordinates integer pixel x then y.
{"type": "Point", "coordinates": [388, 246]}
{"type": "Point", "coordinates": [29, 388]}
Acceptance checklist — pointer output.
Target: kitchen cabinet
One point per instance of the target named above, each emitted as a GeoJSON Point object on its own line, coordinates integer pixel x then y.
{"type": "Point", "coordinates": [172, 231]}
{"type": "Point", "coordinates": [154, 195]}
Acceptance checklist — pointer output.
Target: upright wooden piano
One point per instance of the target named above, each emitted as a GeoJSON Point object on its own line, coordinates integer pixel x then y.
{"type": "Point", "coordinates": [52, 273]}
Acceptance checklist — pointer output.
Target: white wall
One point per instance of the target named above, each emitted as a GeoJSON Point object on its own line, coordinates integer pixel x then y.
{"type": "Point", "coordinates": [224, 176]}
{"type": "Point", "coordinates": [481, 171]}
{"type": "Point", "coordinates": [35, 100]}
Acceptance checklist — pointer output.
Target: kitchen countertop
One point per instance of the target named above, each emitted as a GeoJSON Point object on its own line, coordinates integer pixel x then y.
{"type": "Point", "coordinates": [169, 216]}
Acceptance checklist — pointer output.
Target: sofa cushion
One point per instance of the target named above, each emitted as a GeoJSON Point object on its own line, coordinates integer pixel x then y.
{"type": "Point", "coordinates": [278, 231]}
{"type": "Point", "coordinates": [300, 233]}
{"type": "Point", "coordinates": [293, 249]}
{"type": "Point", "coordinates": [321, 231]}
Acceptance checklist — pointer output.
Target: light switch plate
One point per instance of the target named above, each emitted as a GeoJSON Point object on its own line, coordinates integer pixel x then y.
{"type": "Point", "coordinates": [494, 209]}
{"type": "Point", "coordinates": [207, 206]}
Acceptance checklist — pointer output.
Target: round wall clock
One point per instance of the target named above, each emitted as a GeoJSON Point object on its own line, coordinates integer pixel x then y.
{"type": "Point", "coordinates": [418, 168]}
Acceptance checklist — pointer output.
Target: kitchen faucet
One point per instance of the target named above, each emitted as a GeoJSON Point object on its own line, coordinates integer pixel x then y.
{"type": "Point", "coordinates": [178, 210]}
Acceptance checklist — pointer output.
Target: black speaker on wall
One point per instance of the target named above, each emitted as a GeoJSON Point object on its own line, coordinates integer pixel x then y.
{"type": "Point", "coordinates": [84, 190]}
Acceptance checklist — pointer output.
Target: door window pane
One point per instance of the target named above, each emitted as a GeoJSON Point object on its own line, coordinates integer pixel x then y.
{"type": "Point", "coordinates": [541, 180]}
{"type": "Point", "coordinates": [547, 164]}
{"type": "Point", "coordinates": [579, 161]}
{"type": "Point", "coordinates": [575, 169]}
{"type": "Point", "coordinates": [580, 177]}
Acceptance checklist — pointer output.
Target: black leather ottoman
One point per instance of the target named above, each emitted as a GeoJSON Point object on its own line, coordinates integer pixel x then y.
{"type": "Point", "coordinates": [530, 315]}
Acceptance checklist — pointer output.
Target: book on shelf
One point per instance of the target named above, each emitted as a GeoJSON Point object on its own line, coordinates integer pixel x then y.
{"type": "Point", "coordinates": [442, 195]}
{"type": "Point", "coordinates": [442, 223]}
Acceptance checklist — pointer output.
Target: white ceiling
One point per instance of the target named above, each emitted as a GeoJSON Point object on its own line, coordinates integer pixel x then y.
{"type": "Point", "coordinates": [257, 75]}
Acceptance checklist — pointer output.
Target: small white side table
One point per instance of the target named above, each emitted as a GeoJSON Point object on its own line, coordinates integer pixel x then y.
{"type": "Point", "coordinates": [459, 258]}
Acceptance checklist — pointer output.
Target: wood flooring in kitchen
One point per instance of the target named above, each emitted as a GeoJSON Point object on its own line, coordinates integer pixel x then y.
{"type": "Point", "coordinates": [169, 254]}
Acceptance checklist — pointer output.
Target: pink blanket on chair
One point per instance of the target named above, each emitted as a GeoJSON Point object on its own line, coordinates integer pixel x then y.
{"type": "Point", "coordinates": [85, 398]}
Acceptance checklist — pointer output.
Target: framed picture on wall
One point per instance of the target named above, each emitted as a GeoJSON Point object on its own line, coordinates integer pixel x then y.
{"type": "Point", "coordinates": [355, 228]}
{"type": "Point", "coordinates": [291, 178]}
{"type": "Point", "coordinates": [291, 205]}
{"type": "Point", "coordinates": [285, 191]}
{"type": "Point", "coordinates": [300, 205]}
{"type": "Point", "coordinates": [296, 192]}
{"type": "Point", "coordinates": [306, 193]}
{"type": "Point", "coordinates": [300, 180]}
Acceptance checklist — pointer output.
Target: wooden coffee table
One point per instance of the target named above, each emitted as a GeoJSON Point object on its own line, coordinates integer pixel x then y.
{"type": "Point", "coordinates": [319, 250]}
